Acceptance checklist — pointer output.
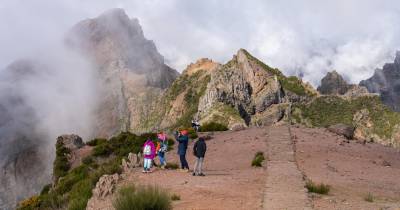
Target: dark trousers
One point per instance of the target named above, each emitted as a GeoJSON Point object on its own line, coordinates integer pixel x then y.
{"type": "Point", "coordinates": [184, 163]}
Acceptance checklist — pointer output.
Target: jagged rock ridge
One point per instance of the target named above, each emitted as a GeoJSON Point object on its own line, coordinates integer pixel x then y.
{"type": "Point", "coordinates": [386, 82]}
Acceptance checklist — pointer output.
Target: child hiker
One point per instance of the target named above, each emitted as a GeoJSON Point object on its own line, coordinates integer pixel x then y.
{"type": "Point", "coordinates": [199, 150]}
{"type": "Point", "coordinates": [162, 146]}
{"type": "Point", "coordinates": [149, 152]}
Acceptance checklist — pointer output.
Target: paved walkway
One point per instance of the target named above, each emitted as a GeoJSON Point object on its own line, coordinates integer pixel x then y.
{"type": "Point", "coordinates": [285, 184]}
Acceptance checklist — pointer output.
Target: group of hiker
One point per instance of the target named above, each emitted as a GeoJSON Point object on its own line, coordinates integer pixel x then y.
{"type": "Point", "coordinates": [151, 151]}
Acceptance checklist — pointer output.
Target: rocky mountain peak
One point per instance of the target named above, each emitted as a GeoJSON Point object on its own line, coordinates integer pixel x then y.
{"type": "Point", "coordinates": [397, 58]}
{"type": "Point", "coordinates": [333, 83]}
{"type": "Point", "coordinates": [386, 82]}
{"type": "Point", "coordinates": [117, 43]}
{"type": "Point", "coordinates": [201, 64]}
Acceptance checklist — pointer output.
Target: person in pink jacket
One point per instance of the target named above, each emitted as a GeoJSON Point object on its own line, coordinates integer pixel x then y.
{"type": "Point", "coordinates": [149, 153]}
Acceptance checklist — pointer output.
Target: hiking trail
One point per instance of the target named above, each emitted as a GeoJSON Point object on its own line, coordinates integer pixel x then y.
{"type": "Point", "coordinates": [284, 181]}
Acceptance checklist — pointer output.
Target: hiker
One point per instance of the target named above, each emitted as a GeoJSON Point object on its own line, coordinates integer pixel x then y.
{"type": "Point", "coordinates": [199, 150]}
{"type": "Point", "coordinates": [183, 140]}
{"type": "Point", "coordinates": [149, 152]}
{"type": "Point", "coordinates": [195, 125]}
{"type": "Point", "coordinates": [162, 146]}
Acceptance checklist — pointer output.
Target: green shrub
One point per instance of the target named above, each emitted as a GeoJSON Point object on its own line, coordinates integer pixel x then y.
{"type": "Point", "coordinates": [142, 197]}
{"type": "Point", "coordinates": [88, 160]}
{"type": "Point", "coordinates": [369, 197]}
{"type": "Point", "coordinates": [61, 164]}
{"type": "Point", "coordinates": [192, 133]}
{"type": "Point", "coordinates": [103, 149]}
{"type": "Point", "coordinates": [45, 189]}
{"type": "Point", "coordinates": [317, 188]}
{"type": "Point", "coordinates": [95, 142]}
{"type": "Point", "coordinates": [172, 166]}
{"type": "Point", "coordinates": [258, 159]}
{"type": "Point", "coordinates": [175, 197]}
{"type": "Point", "coordinates": [31, 203]}
{"type": "Point", "coordinates": [213, 126]}
{"type": "Point", "coordinates": [80, 194]}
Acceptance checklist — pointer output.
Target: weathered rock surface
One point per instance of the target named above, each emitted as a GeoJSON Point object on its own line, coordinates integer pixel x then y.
{"type": "Point", "coordinates": [386, 82]}
{"type": "Point", "coordinates": [71, 141]}
{"type": "Point", "coordinates": [343, 130]}
{"type": "Point", "coordinates": [131, 162]}
{"type": "Point", "coordinates": [133, 74]}
{"type": "Point", "coordinates": [243, 84]}
{"type": "Point", "coordinates": [333, 83]}
{"type": "Point", "coordinates": [104, 187]}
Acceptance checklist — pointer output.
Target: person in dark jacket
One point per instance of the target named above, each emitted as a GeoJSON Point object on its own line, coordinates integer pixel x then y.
{"type": "Point", "coordinates": [183, 140]}
{"type": "Point", "coordinates": [199, 150]}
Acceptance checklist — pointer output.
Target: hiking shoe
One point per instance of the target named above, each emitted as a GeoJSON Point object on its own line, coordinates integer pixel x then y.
{"type": "Point", "coordinates": [201, 174]}
{"type": "Point", "coordinates": [194, 174]}
{"type": "Point", "coordinates": [144, 171]}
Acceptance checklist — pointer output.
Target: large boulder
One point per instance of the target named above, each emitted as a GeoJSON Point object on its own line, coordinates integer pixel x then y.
{"type": "Point", "coordinates": [343, 130]}
{"type": "Point", "coordinates": [333, 84]}
{"type": "Point", "coordinates": [71, 141]}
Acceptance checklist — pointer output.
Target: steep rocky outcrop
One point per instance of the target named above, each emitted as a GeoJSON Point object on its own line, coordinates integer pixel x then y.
{"type": "Point", "coordinates": [333, 83]}
{"type": "Point", "coordinates": [249, 88]}
{"type": "Point", "coordinates": [386, 82]}
{"type": "Point", "coordinates": [133, 74]}
{"type": "Point", "coordinates": [242, 92]}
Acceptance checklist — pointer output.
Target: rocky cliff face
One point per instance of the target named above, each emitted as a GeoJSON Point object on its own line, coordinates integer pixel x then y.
{"type": "Point", "coordinates": [244, 91]}
{"type": "Point", "coordinates": [133, 73]}
{"type": "Point", "coordinates": [386, 82]}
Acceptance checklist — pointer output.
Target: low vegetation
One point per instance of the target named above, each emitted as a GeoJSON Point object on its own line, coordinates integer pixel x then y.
{"type": "Point", "coordinates": [172, 166]}
{"type": "Point", "coordinates": [73, 188]}
{"type": "Point", "coordinates": [323, 112]}
{"type": "Point", "coordinates": [258, 159]}
{"type": "Point", "coordinates": [213, 126]}
{"type": "Point", "coordinates": [142, 197]}
{"type": "Point", "coordinates": [175, 197]}
{"type": "Point", "coordinates": [369, 197]}
{"type": "Point", "coordinates": [61, 165]}
{"type": "Point", "coordinates": [317, 188]}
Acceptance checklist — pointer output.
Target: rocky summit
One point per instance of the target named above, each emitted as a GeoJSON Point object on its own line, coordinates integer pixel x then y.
{"type": "Point", "coordinates": [133, 73]}
{"type": "Point", "coordinates": [386, 82]}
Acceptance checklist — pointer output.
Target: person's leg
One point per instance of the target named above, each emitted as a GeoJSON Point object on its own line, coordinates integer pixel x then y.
{"type": "Point", "coordinates": [195, 171]}
{"type": "Point", "coordinates": [182, 159]}
{"type": "Point", "coordinates": [200, 170]}
{"type": "Point", "coordinates": [149, 164]}
{"type": "Point", "coordinates": [186, 165]}
{"type": "Point", "coordinates": [161, 157]}
{"type": "Point", "coordinates": [145, 164]}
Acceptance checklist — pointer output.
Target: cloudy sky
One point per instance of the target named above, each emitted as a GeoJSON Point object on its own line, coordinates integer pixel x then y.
{"type": "Point", "coordinates": [309, 36]}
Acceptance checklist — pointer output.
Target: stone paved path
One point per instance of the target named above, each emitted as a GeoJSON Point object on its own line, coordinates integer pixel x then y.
{"type": "Point", "coordinates": [285, 184]}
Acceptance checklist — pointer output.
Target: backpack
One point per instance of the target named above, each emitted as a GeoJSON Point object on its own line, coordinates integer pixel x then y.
{"type": "Point", "coordinates": [147, 150]}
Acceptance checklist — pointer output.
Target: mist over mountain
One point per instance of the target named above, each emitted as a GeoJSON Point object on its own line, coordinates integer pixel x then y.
{"type": "Point", "coordinates": [386, 82]}
{"type": "Point", "coordinates": [80, 86]}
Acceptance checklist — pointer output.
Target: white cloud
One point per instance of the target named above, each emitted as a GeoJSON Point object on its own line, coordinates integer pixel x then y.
{"type": "Point", "coordinates": [311, 36]}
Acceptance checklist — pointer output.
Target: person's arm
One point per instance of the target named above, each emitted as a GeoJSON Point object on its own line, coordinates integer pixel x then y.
{"type": "Point", "coordinates": [195, 147]}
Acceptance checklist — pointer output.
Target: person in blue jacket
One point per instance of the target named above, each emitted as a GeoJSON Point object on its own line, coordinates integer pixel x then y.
{"type": "Point", "coordinates": [183, 140]}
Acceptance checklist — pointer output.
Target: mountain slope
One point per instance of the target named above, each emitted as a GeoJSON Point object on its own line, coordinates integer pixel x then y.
{"type": "Point", "coordinates": [133, 74]}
